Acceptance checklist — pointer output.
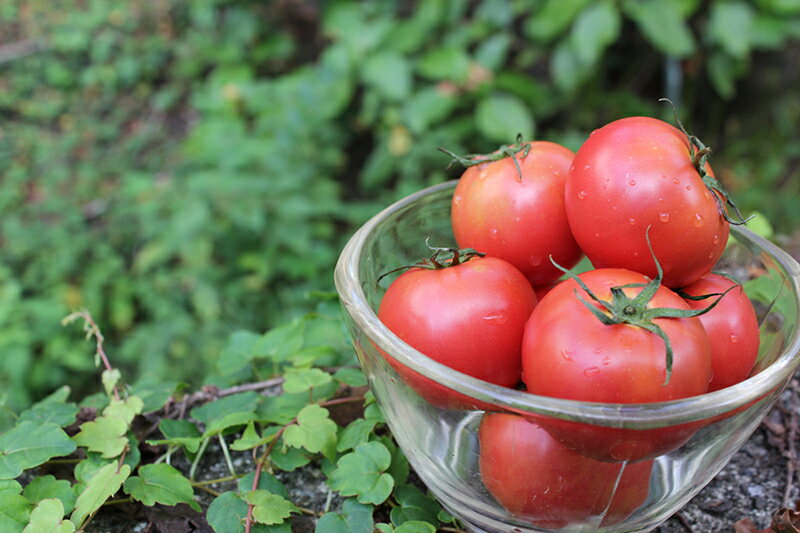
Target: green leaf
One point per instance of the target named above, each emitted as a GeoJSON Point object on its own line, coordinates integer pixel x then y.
{"type": "Point", "coordinates": [302, 379]}
{"type": "Point", "coordinates": [567, 71]}
{"type": "Point", "coordinates": [723, 71]}
{"type": "Point", "coordinates": [594, 30]}
{"type": "Point", "coordinates": [389, 73]}
{"type": "Point", "coordinates": [46, 487]}
{"type": "Point", "coordinates": [179, 433]}
{"type": "Point", "coordinates": [161, 483]}
{"type": "Point", "coordinates": [30, 444]}
{"type": "Point", "coordinates": [266, 482]}
{"type": "Point", "coordinates": [350, 376]}
{"type": "Point", "coordinates": [226, 513]}
{"type": "Point", "coordinates": [553, 18]}
{"type": "Point", "coordinates": [125, 409]}
{"type": "Point", "coordinates": [414, 505]}
{"type": "Point", "coordinates": [289, 459]}
{"type": "Point", "coordinates": [354, 518]}
{"type": "Point", "coordinates": [731, 26]}
{"type": "Point", "coordinates": [280, 343]}
{"type": "Point", "coordinates": [99, 488]}
{"type": "Point", "coordinates": [384, 528]}
{"type": "Point", "coordinates": [106, 435]}
{"type": "Point", "coordinates": [444, 63]}
{"type": "Point", "coordinates": [662, 23]}
{"type": "Point", "coordinates": [245, 402]}
{"type": "Point", "coordinates": [238, 352]}
{"type": "Point", "coordinates": [269, 508]}
{"type": "Point", "coordinates": [760, 225]}
{"type": "Point", "coordinates": [154, 392]}
{"type": "Point", "coordinates": [314, 431]}
{"type": "Point", "coordinates": [250, 439]}
{"type": "Point", "coordinates": [110, 378]}
{"type": "Point", "coordinates": [500, 117]}
{"type": "Point", "coordinates": [15, 512]}
{"type": "Point", "coordinates": [227, 421]}
{"type": "Point", "coordinates": [357, 432]}
{"type": "Point", "coordinates": [11, 486]}
{"type": "Point", "coordinates": [399, 469]}
{"type": "Point", "coordinates": [48, 517]}
{"type": "Point", "coordinates": [52, 409]}
{"type": "Point", "coordinates": [362, 474]}
{"type": "Point", "coordinates": [415, 526]}
{"type": "Point", "coordinates": [493, 51]}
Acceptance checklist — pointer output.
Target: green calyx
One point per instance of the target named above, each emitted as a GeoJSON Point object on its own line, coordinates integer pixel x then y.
{"type": "Point", "coordinates": [438, 259]}
{"type": "Point", "coordinates": [622, 309]}
{"type": "Point", "coordinates": [699, 153]}
{"type": "Point", "coordinates": [501, 153]}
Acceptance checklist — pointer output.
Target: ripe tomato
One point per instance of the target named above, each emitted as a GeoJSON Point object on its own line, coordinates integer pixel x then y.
{"type": "Point", "coordinates": [569, 353]}
{"type": "Point", "coordinates": [518, 218]}
{"type": "Point", "coordinates": [638, 172]}
{"type": "Point", "coordinates": [731, 326]}
{"type": "Point", "coordinates": [469, 316]}
{"type": "Point", "coordinates": [535, 477]}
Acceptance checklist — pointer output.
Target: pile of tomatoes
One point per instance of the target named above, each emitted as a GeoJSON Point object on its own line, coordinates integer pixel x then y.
{"type": "Point", "coordinates": [640, 201]}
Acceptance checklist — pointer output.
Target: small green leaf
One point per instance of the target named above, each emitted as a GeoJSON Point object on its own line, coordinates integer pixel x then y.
{"type": "Point", "coordinates": [500, 117]}
{"type": "Point", "coordinates": [445, 63]}
{"type": "Point", "coordinates": [662, 23]}
{"type": "Point", "coordinates": [594, 30]}
{"type": "Point", "coordinates": [399, 469]}
{"type": "Point", "coordinates": [228, 421]}
{"type": "Point", "coordinates": [350, 376]}
{"type": "Point", "coordinates": [389, 73]}
{"type": "Point", "coordinates": [15, 512]}
{"type": "Point", "coordinates": [30, 444]}
{"type": "Point", "coordinates": [415, 526]}
{"type": "Point", "coordinates": [266, 482]}
{"type": "Point", "coordinates": [179, 433]}
{"type": "Point", "coordinates": [48, 517]}
{"type": "Point", "coordinates": [354, 518]}
{"type": "Point", "coordinates": [154, 392]}
{"type": "Point", "coordinates": [161, 483]}
{"type": "Point", "coordinates": [731, 25]}
{"type": "Point", "coordinates": [110, 378]}
{"type": "Point", "coordinates": [723, 71]}
{"type": "Point", "coordinates": [250, 439]}
{"type": "Point", "coordinates": [238, 352]}
{"type": "Point", "coordinates": [289, 459]}
{"type": "Point", "coordinates": [280, 343]}
{"type": "Point", "coordinates": [46, 487]}
{"type": "Point", "coordinates": [11, 486]}
{"type": "Point", "coordinates": [553, 18]}
{"type": "Point", "coordinates": [301, 379]}
{"type": "Point", "coordinates": [52, 409]}
{"type": "Point", "coordinates": [226, 513]}
{"type": "Point", "coordinates": [356, 433]}
{"type": "Point", "coordinates": [106, 435]}
{"type": "Point", "coordinates": [362, 474]}
{"type": "Point", "coordinates": [314, 431]}
{"type": "Point", "coordinates": [100, 487]}
{"type": "Point", "coordinates": [268, 508]}
{"type": "Point", "coordinates": [414, 505]}
{"type": "Point", "coordinates": [245, 402]}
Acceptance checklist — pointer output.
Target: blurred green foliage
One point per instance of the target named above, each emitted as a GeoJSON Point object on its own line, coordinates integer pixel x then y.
{"type": "Point", "coordinates": [184, 169]}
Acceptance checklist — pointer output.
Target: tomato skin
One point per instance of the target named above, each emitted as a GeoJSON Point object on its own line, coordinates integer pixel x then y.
{"type": "Point", "coordinates": [731, 326]}
{"type": "Point", "coordinates": [637, 172]}
{"type": "Point", "coordinates": [520, 220]}
{"type": "Point", "coordinates": [533, 476]}
{"type": "Point", "coordinates": [568, 353]}
{"type": "Point", "coordinates": [469, 317]}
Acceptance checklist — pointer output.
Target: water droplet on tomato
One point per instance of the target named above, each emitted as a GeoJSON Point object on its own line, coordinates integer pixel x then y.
{"type": "Point", "coordinates": [498, 318]}
{"type": "Point", "coordinates": [582, 195]}
{"type": "Point", "coordinates": [567, 355]}
{"type": "Point", "coordinates": [535, 260]}
{"type": "Point", "coordinates": [688, 187]}
{"type": "Point", "coordinates": [697, 221]}
{"type": "Point", "coordinates": [631, 182]}
{"type": "Point", "coordinates": [715, 240]}
{"type": "Point", "coordinates": [457, 199]}
{"type": "Point", "coordinates": [635, 254]}
{"type": "Point", "coordinates": [493, 233]}
{"type": "Point", "coordinates": [734, 338]}
{"type": "Point", "coordinates": [711, 255]}
{"type": "Point", "coordinates": [676, 181]}
{"type": "Point", "coordinates": [663, 217]}
{"type": "Point", "coordinates": [605, 361]}
{"type": "Point", "coordinates": [591, 371]}
{"type": "Point", "coordinates": [632, 221]}
{"type": "Point", "coordinates": [587, 167]}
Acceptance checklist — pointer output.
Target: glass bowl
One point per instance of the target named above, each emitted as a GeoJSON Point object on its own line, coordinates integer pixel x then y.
{"type": "Point", "coordinates": [504, 460]}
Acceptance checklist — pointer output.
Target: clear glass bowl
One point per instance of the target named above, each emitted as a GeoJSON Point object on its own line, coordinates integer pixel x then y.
{"type": "Point", "coordinates": [443, 444]}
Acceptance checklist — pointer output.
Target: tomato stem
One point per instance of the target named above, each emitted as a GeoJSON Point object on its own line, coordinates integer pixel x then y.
{"type": "Point", "coordinates": [501, 153]}
{"type": "Point", "coordinates": [433, 262]}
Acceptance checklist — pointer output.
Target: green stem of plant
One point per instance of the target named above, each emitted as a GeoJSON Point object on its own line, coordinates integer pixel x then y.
{"type": "Point", "coordinates": [217, 480]}
{"type": "Point", "coordinates": [200, 452]}
{"type": "Point", "coordinates": [227, 454]}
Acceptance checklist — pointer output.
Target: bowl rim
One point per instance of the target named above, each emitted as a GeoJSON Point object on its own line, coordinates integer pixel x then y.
{"type": "Point", "coordinates": [640, 416]}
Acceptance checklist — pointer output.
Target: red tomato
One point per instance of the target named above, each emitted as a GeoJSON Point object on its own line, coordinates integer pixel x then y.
{"type": "Point", "coordinates": [521, 220]}
{"type": "Point", "coordinates": [731, 326]}
{"type": "Point", "coordinates": [638, 172]}
{"type": "Point", "coordinates": [569, 353]}
{"type": "Point", "coordinates": [469, 317]}
{"type": "Point", "coordinates": [535, 477]}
